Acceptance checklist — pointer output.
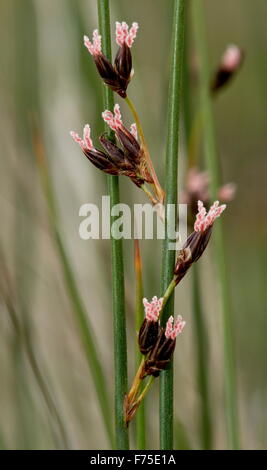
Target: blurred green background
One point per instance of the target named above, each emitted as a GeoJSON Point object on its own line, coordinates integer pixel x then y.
{"type": "Point", "coordinates": [46, 72]}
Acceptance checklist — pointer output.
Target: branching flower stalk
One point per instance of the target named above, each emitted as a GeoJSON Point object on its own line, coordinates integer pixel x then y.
{"type": "Point", "coordinates": [117, 77]}
{"type": "Point", "coordinates": [156, 343]}
{"type": "Point", "coordinates": [125, 152]}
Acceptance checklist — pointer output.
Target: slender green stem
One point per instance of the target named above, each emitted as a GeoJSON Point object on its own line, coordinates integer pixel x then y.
{"type": "Point", "coordinates": [168, 260]}
{"type": "Point", "coordinates": [119, 322]}
{"type": "Point", "coordinates": [139, 316]}
{"type": "Point", "coordinates": [202, 362]}
{"type": "Point", "coordinates": [212, 163]}
{"type": "Point", "coordinates": [192, 127]}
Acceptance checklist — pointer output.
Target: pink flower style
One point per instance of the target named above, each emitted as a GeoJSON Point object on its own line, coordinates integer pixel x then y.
{"type": "Point", "coordinates": [198, 240]}
{"type": "Point", "coordinates": [204, 219]}
{"type": "Point", "coordinates": [125, 159]}
{"type": "Point", "coordinates": [174, 328]}
{"type": "Point", "coordinates": [116, 76]}
{"type": "Point", "coordinates": [153, 308]}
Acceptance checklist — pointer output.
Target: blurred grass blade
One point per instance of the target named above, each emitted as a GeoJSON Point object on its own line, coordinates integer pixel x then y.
{"type": "Point", "coordinates": [202, 362]}
{"type": "Point", "coordinates": [23, 340]}
{"type": "Point", "coordinates": [119, 328]}
{"type": "Point", "coordinates": [73, 292]}
{"type": "Point", "coordinates": [139, 317]}
{"type": "Point", "coordinates": [200, 333]}
{"type": "Point", "coordinates": [168, 259]}
{"type": "Point", "coordinates": [181, 439]}
{"type": "Point", "coordinates": [212, 164]}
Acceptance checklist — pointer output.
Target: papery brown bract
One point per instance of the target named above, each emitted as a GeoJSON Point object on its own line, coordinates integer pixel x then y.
{"type": "Point", "coordinates": [148, 335]}
{"type": "Point", "coordinates": [160, 356]}
{"type": "Point", "coordinates": [192, 250]}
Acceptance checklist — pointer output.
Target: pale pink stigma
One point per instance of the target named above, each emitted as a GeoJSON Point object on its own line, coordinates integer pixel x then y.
{"type": "Point", "coordinates": [93, 47]}
{"type": "Point", "coordinates": [227, 192]}
{"type": "Point", "coordinates": [204, 219]}
{"type": "Point", "coordinates": [123, 35]}
{"type": "Point", "coordinates": [113, 121]}
{"type": "Point", "coordinates": [174, 329]}
{"type": "Point", "coordinates": [133, 130]}
{"type": "Point", "coordinates": [153, 308]}
{"type": "Point", "coordinates": [232, 58]}
{"type": "Point", "coordinates": [85, 143]}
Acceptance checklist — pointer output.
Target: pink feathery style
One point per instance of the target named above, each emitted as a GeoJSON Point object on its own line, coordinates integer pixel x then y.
{"type": "Point", "coordinates": [85, 143]}
{"type": "Point", "coordinates": [173, 329]}
{"type": "Point", "coordinates": [123, 35]}
{"type": "Point", "coordinates": [123, 159]}
{"type": "Point", "coordinates": [118, 75]}
{"type": "Point", "coordinates": [153, 308]}
{"type": "Point", "coordinates": [204, 219]}
{"type": "Point", "coordinates": [198, 240]}
{"type": "Point", "coordinates": [93, 47]}
{"type": "Point", "coordinates": [114, 121]}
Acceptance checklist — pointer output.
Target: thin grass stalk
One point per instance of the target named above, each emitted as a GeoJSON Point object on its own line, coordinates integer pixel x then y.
{"type": "Point", "coordinates": [79, 310]}
{"type": "Point", "coordinates": [202, 362]}
{"type": "Point", "coordinates": [212, 164]}
{"type": "Point", "coordinates": [139, 316]}
{"type": "Point", "coordinates": [118, 296]}
{"type": "Point", "coordinates": [168, 256]}
{"type": "Point", "coordinates": [200, 333]}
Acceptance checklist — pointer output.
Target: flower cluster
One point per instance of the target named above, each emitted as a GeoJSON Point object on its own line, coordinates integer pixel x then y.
{"type": "Point", "coordinates": [197, 188]}
{"type": "Point", "coordinates": [155, 342]}
{"type": "Point", "coordinates": [124, 159]}
{"type": "Point", "coordinates": [197, 242]}
{"type": "Point", "coordinates": [116, 76]}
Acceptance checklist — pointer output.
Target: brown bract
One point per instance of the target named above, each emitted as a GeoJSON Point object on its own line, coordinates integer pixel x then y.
{"type": "Point", "coordinates": [116, 76]}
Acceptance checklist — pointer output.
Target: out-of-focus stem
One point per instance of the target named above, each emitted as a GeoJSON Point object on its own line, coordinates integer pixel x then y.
{"type": "Point", "coordinates": [192, 127]}
{"type": "Point", "coordinates": [168, 259]}
{"type": "Point", "coordinates": [202, 362]}
{"type": "Point", "coordinates": [139, 315]}
{"type": "Point", "coordinates": [118, 298]}
{"type": "Point", "coordinates": [212, 163]}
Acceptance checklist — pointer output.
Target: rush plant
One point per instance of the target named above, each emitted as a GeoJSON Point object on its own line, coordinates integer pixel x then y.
{"type": "Point", "coordinates": [124, 151]}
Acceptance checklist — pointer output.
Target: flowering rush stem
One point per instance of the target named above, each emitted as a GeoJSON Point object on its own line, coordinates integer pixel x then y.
{"type": "Point", "coordinates": [212, 164]}
{"type": "Point", "coordinates": [158, 190]}
{"type": "Point", "coordinates": [119, 328]}
{"type": "Point", "coordinates": [141, 415]}
{"type": "Point", "coordinates": [168, 259]}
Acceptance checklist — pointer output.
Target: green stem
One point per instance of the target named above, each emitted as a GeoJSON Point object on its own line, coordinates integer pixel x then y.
{"type": "Point", "coordinates": [119, 322]}
{"type": "Point", "coordinates": [139, 316]}
{"type": "Point", "coordinates": [192, 127]}
{"type": "Point", "coordinates": [202, 362]}
{"type": "Point", "coordinates": [168, 260]}
{"type": "Point", "coordinates": [212, 163]}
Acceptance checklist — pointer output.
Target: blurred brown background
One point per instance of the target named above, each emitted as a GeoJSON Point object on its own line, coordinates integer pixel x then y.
{"type": "Point", "coordinates": [47, 72]}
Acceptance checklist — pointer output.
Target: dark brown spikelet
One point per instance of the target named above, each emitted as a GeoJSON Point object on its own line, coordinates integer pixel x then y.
{"type": "Point", "coordinates": [227, 70]}
{"type": "Point", "coordinates": [160, 356]}
{"type": "Point", "coordinates": [101, 161]}
{"type": "Point", "coordinates": [117, 77]}
{"type": "Point", "coordinates": [123, 63]}
{"type": "Point", "coordinates": [123, 161]}
{"type": "Point", "coordinates": [192, 250]}
{"type": "Point", "coordinates": [148, 335]}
